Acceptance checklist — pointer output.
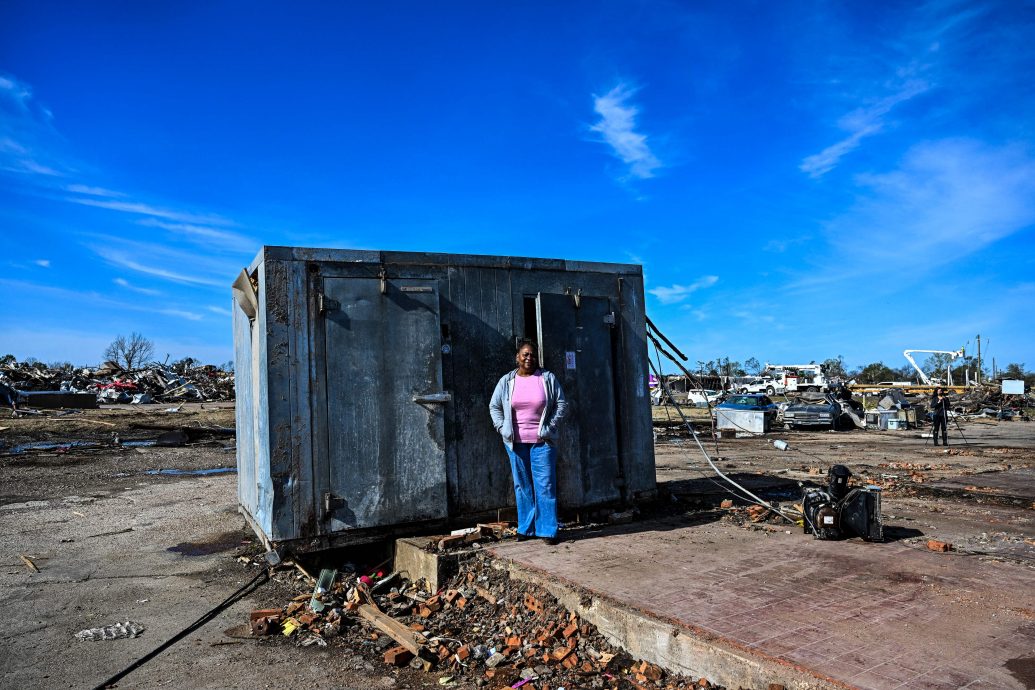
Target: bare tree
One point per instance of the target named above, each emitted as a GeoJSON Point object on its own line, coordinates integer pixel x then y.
{"type": "Point", "coordinates": [131, 352]}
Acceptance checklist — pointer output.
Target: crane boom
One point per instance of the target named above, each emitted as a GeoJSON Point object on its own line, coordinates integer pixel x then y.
{"type": "Point", "coordinates": [953, 354]}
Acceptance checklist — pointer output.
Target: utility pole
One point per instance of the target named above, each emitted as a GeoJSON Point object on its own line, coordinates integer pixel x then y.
{"type": "Point", "coordinates": [979, 358]}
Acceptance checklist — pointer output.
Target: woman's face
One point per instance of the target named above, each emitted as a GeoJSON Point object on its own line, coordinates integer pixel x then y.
{"type": "Point", "coordinates": [526, 360]}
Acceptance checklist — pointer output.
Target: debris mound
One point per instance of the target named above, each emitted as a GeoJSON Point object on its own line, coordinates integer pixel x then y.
{"type": "Point", "coordinates": [482, 629]}
{"type": "Point", "coordinates": [183, 381]}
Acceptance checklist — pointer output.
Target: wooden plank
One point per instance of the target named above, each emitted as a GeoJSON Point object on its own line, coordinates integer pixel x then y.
{"type": "Point", "coordinates": [391, 627]}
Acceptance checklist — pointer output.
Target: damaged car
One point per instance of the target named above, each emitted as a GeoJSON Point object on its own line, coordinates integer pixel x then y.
{"type": "Point", "coordinates": [831, 412]}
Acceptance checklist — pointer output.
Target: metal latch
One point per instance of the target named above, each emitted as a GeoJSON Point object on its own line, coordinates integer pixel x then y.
{"type": "Point", "coordinates": [609, 319]}
{"type": "Point", "coordinates": [441, 397]}
{"type": "Point", "coordinates": [332, 503]}
{"type": "Point", "coordinates": [326, 304]}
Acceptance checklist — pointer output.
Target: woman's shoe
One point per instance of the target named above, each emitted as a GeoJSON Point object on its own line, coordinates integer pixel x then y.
{"type": "Point", "coordinates": [523, 537]}
{"type": "Point", "coordinates": [552, 541]}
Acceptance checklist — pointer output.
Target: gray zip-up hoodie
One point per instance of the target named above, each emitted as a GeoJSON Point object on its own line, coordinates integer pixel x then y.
{"type": "Point", "coordinates": [503, 414]}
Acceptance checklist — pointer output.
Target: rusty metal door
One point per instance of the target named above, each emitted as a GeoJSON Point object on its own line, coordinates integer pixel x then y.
{"type": "Point", "coordinates": [575, 344]}
{"type": "Point", "coordinates": [384, 397]}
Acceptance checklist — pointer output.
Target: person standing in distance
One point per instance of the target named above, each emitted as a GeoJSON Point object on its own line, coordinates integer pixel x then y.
{"type": "Point", "coordinates": [940, 408]}
{"type": "Point", "coordinates": [526, 408]}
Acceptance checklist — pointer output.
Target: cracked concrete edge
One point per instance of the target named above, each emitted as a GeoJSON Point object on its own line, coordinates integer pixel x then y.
{"type": "Point", "coordinates": [675, 646]}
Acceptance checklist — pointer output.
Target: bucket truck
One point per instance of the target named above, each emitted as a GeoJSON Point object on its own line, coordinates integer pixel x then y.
{"type": "Point", "coordinates": [953, 354]}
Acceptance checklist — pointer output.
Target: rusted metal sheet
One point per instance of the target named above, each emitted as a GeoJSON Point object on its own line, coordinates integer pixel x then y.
{"type": "Point", "coordinates": [364, 379]}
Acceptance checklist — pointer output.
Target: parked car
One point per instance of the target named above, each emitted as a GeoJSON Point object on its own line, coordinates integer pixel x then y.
{"type": "Point", "coordinates": [751, 401]}
{"type": "Point", "coordinates": [702, 397]}
{"type": "Point", "coordinates": [760, 384]}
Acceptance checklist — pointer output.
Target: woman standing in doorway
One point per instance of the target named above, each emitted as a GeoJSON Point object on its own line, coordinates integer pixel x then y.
{"type": "Point", "coordinates": [526, 408]}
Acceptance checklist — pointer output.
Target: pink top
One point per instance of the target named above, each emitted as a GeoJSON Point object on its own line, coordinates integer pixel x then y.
{"type": "Point", "coordinates": [528, 401]}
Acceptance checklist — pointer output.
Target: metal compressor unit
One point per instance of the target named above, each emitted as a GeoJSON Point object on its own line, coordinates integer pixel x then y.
{"type": "Point", "coordinates": [838, 512]}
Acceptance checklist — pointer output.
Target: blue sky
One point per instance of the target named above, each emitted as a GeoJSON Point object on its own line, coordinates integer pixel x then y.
{"type": "Point", "coordinates": [799, 180]}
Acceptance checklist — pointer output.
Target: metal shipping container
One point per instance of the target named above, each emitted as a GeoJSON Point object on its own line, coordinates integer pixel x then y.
{"type": "Point", "coordinates": [364, 378]}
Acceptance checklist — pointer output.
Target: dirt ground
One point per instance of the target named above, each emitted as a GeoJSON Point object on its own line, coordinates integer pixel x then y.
{"type": "Point", "coordinates": [114, 541]}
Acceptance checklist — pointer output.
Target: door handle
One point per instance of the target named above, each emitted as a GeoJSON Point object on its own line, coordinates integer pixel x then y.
{"type": "Point", "coordinates": [440, 398]}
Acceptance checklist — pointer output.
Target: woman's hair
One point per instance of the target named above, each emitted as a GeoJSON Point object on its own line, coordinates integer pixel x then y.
{"type": "Point", "coordinates": [529, 342]}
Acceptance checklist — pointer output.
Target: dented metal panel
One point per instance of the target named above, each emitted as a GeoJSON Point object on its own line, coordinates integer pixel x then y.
{"type": "Point", "coordinates": [384, 402]}
{"type": "Point", "coordinates": [575, 341]}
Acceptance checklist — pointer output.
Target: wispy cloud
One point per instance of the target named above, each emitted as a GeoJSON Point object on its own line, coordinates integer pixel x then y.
{"type": "Point", "coordinates": [222, 311]}
{"type": "Point", "coordinates": [861, 123]}
{"type": "Point", "coordinates": [27, 139]}
{"type": "Point", "coordinates": [945, 201]}
{"type": "Point", "coordinates": [44, 263]}
{"type": "Point", "coordinates": [122, 282]}
{"type": "Point", "coordinates": [183, 266]}
{"type": "Point", "coordinates": [93, 191]}
{"type": "Point", "coordinates": [617, 127]}
{"type": "Point", "coordinates": [19, 94]}
{"type": "Point", "coordinates": [183, 314]}
{"type": "Point", "coordinates": [148, 210]}
{"type": "Point", "coordinates": [677, 293]}
{"type": "Point", "coordinates": [224, 239]}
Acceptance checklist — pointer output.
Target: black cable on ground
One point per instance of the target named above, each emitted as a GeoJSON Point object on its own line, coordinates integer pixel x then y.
{"type": "Point", "coordinates": [693, 432]}
{"type": "Point", "coordinates": [244, 591]}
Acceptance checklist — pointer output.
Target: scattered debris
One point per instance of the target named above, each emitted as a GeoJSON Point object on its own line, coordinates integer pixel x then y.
{"type": "Point", "coordinates": [28, 563]}
{"type": "Point", "coordinates": [939, 546]}
{"type": "Point", "coordinates": [182, 381]}
{"type": "Point", "coordinates": [117, 631]}
{"type": "Point", "coordinates": [481, 626]}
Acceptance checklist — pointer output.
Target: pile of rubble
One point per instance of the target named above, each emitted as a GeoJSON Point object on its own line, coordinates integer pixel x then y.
{"type": "Point", "coordinates": [980, 401]}
{"type": "Point", "coordinates": [180, 382]}
{"type": "Point", "coordinates": [481, 629]}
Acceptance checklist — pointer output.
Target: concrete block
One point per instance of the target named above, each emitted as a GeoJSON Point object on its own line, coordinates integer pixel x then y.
{"type": "Point", "coordinates": [414, 562]}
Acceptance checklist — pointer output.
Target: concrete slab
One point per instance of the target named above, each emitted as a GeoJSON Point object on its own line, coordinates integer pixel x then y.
{"type": "Point", "coordinates": [839, 614]}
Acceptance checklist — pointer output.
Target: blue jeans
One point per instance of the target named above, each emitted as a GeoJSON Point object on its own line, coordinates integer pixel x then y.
{"type": "Point", "coordinates": [534, 467]}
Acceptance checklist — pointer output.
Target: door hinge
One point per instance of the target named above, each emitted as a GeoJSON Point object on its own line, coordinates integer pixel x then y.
{"type": "Point", "coordinates": [609, 319]}
{"type": "Point", "coordinates": [575, 294]}
{"type": "Point", "coordinates": [325, 304]}
{"type": "Point", "coordinates": [331, 503]}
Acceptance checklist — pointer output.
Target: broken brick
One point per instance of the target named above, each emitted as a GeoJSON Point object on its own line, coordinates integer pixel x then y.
{"type": "Point", "coordinates": [463, 652]}
{"type": "Point", "coordinates": [651, 671]}
{"type": "Point", "coordinates": [264, 613]}
{"type": "Point", "coordinates": [726, 503]}
{"type": "Point", "coordinates": [398, 656]}
{"type": "Point", "coordinates": [450, 542]}
{"type": "Point", "coordinates": [940, 546]}
{"type": "Point", "coordinates": [570, 630]}
{"type": "Point", "coordinates": [533, 604]}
